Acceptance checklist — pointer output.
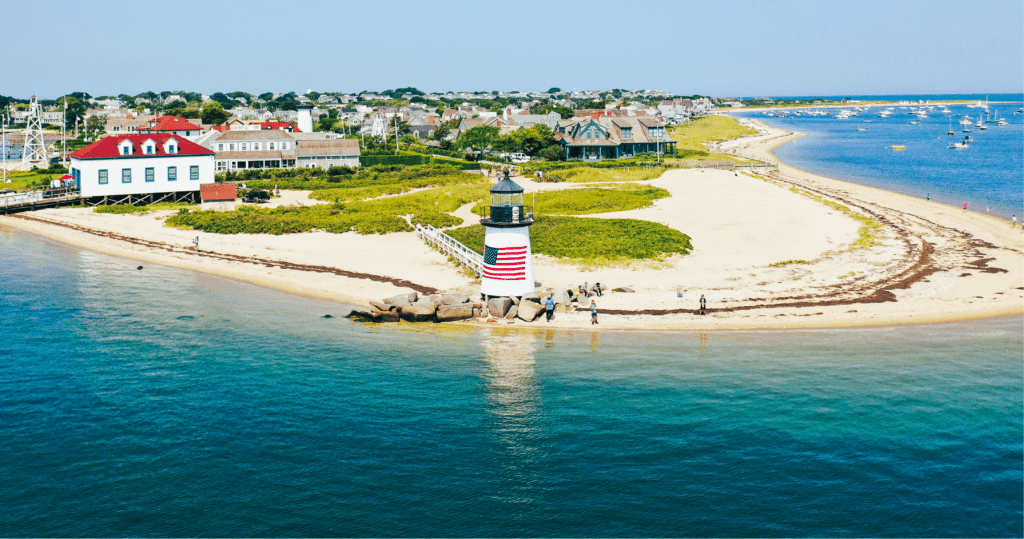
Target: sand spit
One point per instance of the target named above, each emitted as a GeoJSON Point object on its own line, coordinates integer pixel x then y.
{"type": "Point", "coordinates": [922, 262]}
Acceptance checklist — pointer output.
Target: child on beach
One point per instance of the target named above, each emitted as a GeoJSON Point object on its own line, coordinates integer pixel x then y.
{"type": "Point", "coordinates": [1014, 223]}
{"type": "Point", "coordinates": [593, 312]}
{"type": "Point", "coordinates": [196, 243]}
{"type": "Point", "coordinates": [703, 306]}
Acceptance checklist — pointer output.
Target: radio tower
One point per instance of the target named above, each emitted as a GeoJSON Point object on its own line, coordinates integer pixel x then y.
{"type": "Point", "coordinates": [380, 126]}
{"type": "Point", "coordinates": [34, 153]}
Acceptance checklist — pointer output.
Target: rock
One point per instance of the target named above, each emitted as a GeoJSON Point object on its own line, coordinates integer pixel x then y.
{"type": "Point", "coordinates": [478, 305]}
{"type": "Point", "coordinates": [371, 316]}
{"type": "Point", "coordinates": [402, 299]}
{"type": "Point", "coordinates": [515, 301]}
{"type": "Point", "coordinates": [532, 297]}
{"type": "Point", "coordinates": [140, 267]}
{"type": "Point", "coordinates": [327, 316]}
{"type": "Point", "coordinates": [446, 313]}
{"type": "Point", "coordinates": [512, 312]}
{"type": "Point", "coordinates": [382, 306]}
{"type": "Point", "coordinates": [560, 297]}
{"type": "Point", "coordinates": [497, 307]}
{"type": "Point", "coordinates": [561, 308]}
{"type": "Point", "coordinates": [477, 312]}
{"type": "Point", "coordinates": [624, 289]}
{"type": "Point", "coordinates": [454, 299]}
{"type": "Point", "coordinates": [421, 311]}
{"type": "Point", "coordinates": [528, 311]}
{"type": "Point", "coordinates": [356, 313]}
{"type": "Point", "coordinates": [390, 316]}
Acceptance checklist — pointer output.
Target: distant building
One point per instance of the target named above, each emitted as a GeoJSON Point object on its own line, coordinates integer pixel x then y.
{"type": "Point", "coordinates": [172, 125]}
{"type": "Point", "coordinates": [613, 137]}
{"type": "Point", "coordinates": [153, 165]}
{"type": "Point", "coordinates": [275, 148]}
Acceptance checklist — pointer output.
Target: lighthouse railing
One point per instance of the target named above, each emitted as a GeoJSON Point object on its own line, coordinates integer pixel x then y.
{"type": "Point", "coordinates": [451, 247]}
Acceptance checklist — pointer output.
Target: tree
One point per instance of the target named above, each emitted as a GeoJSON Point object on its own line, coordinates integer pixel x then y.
{"type": "Point", "coordinates": [95, 125]}
{"type": "Point", "coordinates": [564, 112]}
{"type": "Point", "coordinates": [267, 96]}
{"type": "Point", "coordinates": [554, 90]}
{"type": "Point", "coordinates": [478, 137]}
{"type": "Point", "coordinates": [417, 99]}
{"type": "Point", "coordinates": [326, 123]}
{"type": "Point", "coordinates": [442, 130]}
{"type": "Point", "coordinates": [214, 113]}
{"type": "Point", "coordinates": [552, 153]}
{"type": "Point", "coordinates": [76, 111]}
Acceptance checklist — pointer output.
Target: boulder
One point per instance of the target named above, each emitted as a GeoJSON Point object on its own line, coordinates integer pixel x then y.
{"type": "Point", "coordinates": [446, 313]}
{"type": "Point", "coordinates": [454, 299]}
{"type": "Point", "coordinates": [626, 289]}
{"type": "Point", "coordinates": [512, 312]}
{"type": "Point", "coordinates": [561, 308]}
{"type": "Point", "coordinates": [478, 312]}
{"type": "Point", "coordinates": [370, 316]}
{"type": "Point", "coordinates": [515, 301]}
{"type": "Point", "coordinates": [383, 307]}
{"type": "Point", "coordinates": [357, 313]}
{"type": "Point", "coordinates": [497, 307]}
{"type": "Point", "coordinates": [402, 299]}
{"type": "Point", "coordinates": [532, 297]}
{"type": "Point", "coordinates": [528, 310]}
{"type": "Point", "coordinates": [421, 311]}
{"type": "Point", "coordinates": [390, 316]}
{"type": "Point", "coordinates": [560, 297]}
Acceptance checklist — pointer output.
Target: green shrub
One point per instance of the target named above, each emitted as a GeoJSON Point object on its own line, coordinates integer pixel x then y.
{"type": "Point", "coordinates": [121, 209]}
{"type": "Point", "coordinates": [588, 239]}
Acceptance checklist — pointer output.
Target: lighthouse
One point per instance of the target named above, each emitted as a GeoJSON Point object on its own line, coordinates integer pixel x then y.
{"type": "Point", "coordinates": [508, 262]}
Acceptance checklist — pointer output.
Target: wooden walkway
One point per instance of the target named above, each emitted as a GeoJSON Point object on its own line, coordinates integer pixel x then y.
{"type": "Point", "coordinates": [38, 200]}
{"type": "Point", "coordinates": [452, 247]}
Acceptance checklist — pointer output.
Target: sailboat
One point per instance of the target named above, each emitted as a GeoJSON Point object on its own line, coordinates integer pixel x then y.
{"type": "Point", "coordinates": [951, 133]}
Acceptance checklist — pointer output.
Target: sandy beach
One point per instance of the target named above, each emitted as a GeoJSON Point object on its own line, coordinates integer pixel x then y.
{"type": "Point", "coordinates": [930, 262]}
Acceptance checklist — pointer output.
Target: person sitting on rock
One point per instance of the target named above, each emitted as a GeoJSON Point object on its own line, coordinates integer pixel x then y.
{"type": "Point", "coordinates": [597, 289]}
{"type": "Point", "coordinates": [583, 290]}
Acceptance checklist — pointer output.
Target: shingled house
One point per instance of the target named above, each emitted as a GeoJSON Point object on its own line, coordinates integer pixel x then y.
{"type": "Point", "coordinates": [613, 137]}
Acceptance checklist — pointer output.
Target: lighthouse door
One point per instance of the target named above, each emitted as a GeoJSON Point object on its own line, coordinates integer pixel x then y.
{"type": "Point", "coordinates": [515, 214]}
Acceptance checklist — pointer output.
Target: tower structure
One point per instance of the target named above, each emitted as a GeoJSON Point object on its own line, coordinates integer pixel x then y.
{"type": "Point", "coordinates": [34, 153]}
{"type": "Point", "coordinates": [305, 113]}
{"type": "Point", "coordinates": [508, 260]}
{"type": "Point", "coordinates": [380, 126]}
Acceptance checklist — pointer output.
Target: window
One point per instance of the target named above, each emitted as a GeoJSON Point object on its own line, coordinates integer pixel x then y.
{"type": "Point", "coordinates": [103, 177]}
{"type": "Point", "coordinates": [149, 149]}
{"type": "Point", "coordinates": [172, 174]}
{"type": "Point", "coordinates": [193, 173]}
{"type": "Point", "coordinates": [627, 132]}
{"type": "Point", "coordinates": [270, 145]}
{"type": "Point", "coordinates": [149, 174]}
{"type": "Point", "coordinates": [220, 147]}
{"type": "Point", "coordinates": [126, 149]}
{"type": "Point", "coordinates": [245, 147]}
{"type": "Point", "coordinates": [126, 175]}
{"type": "Point", "coordinates": [172, 149]}
{"type": "Point", "coordinates": [231, 147]}
{"type": "Point", "coordinates": [284, 145]}
{"type": "Point", "coordinates": [256, 146]}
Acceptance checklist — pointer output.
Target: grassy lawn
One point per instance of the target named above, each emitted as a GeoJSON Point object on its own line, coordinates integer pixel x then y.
{"type": "Point", "coordinates": [121, 209]}
{"type": "Point", "coordinates": [692, 136]}
{"type": "Point", "coordinates": [592, 240]}
{"type": "Point", "coordinates": [21, 181]}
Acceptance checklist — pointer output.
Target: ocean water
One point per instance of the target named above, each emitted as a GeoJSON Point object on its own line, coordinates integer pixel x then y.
{"type": "Point", "coordinates": [162, 402]}
{"type": "Point", "coordinates": [988, 173]}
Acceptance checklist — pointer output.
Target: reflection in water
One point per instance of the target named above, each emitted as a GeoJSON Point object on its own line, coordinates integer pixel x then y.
{"type": "Point", "coordinates": [593, 341]}
{"type": "Point", "coordinates": [515, 402]}
{"type": "Point", "coordinates": [703, 341]}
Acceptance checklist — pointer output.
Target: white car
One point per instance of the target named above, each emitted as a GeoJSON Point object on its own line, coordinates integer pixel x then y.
{"type": "Point", "coordinates": [519, 158]}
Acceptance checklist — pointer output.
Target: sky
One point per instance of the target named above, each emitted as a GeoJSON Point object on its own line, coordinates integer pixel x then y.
{"type": "Point", "coordinates": [722, 49]}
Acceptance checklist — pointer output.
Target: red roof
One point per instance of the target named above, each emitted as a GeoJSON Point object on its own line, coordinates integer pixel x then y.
{"type": "Point", "coordinates": [170, 123]}
{"type": "Point", "coordinates": [222, 128]}
{"type": "Point", "coordinates": [218, 191]}
{"type": "Point", "coordinates": [107, 148]}
{"type": "Point", "coordinates": [280, 125]}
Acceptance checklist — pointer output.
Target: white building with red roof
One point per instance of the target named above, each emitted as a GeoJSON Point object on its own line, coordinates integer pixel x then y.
{"type": "Point", "coordinates": [152, 165]}
{"type": "Point", "coordinates": [173, 126]}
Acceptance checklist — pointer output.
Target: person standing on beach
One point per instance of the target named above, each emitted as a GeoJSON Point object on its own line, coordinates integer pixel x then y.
{"type": "Point", "coordinates": [965, 204]}
{"type": "Point", "coordinates": [549, 307]}
{"type": "Point", "coordinates": [986, 210]}
{"type": "Point", "coordinates": [196, 243]}
{"type": "Point", "coordinates": [1014, 223]}
{"type": "Point", "coordinates": [593, 313]}
{"type": "Point", "coordinates": [703, 305]}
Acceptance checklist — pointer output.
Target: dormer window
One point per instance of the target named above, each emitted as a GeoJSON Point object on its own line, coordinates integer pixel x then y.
{"type": "Point", "coordinates": [171, 146]}
{"type": "Point", "coordinates": [126, 148]}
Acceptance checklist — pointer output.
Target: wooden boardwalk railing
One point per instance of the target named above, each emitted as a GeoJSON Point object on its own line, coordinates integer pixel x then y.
{"type": "Point", "coordinates": [452, 247]}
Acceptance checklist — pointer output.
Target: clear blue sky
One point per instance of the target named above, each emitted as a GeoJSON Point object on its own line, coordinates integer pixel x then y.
{"type": "Point", "coordinates": [737, 48]}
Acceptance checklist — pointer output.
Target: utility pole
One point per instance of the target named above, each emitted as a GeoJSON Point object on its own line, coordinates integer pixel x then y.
{"type": "Point", "coordinates": [396, 133]}
{"type": "Point", "coordinates": [64, 134]}
{"type": "Point", "coordinates": [3, 133]}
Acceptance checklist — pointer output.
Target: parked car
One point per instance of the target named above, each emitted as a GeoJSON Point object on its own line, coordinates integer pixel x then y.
{"type": "Point", "coordinates": [256, 196]}
{"type": "Point", "coordinates": [519, 158]}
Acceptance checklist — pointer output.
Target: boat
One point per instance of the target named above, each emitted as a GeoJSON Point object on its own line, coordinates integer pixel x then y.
{"type": "Point", "coordinates": [982, 127]}
{"type": "Point", "coordinates": [951, 133]}
{"type": "Point", "coordinates": [899, 147]}
{"type": "Point", "coordinates": [861, 129]}
{"type": "Point", "coordinates": [958, 145]}
{"type": "Point", "coordinates": [967, 130]}
{"type": "Point", "coordinates": [1002, 122]}
{"type": "Point", "coordinates": [968, 139]}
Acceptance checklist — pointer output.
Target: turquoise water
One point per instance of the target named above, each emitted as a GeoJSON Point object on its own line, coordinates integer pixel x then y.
{"type": "Point", "coordinates": [167, 403]}
{"type": "Point", "coordinates": [988, 173]}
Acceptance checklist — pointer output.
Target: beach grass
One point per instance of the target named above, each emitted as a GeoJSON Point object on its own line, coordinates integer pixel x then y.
{"type": "Point", "coordinates": [867, 233]}
{"type": "Point", "coordinates": [589, 241]}
{"type": "Point", "coordinates": [603, 199]}
{"type": "Point", "coordinates": [691, 137]}
{"type": "Point", "coordinates": [594, 175]}
{"type": "Point", "coordinates": [378, 216]}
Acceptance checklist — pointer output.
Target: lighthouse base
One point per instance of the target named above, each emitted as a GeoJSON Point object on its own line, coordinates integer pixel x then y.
{"type": "Point", "coordinates": [508, 262]}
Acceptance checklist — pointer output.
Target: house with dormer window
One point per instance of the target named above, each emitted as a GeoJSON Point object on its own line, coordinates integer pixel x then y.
{"type": "Point", "coordinates": [156, 166]}
{"type": "Point", "coordinates": [172, 125]}
{"type": "Point", "coordinates": [613, 137]}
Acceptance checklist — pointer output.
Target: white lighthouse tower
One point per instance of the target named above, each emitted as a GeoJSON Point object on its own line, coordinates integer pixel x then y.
{"type": "Point", "coordinates": [508, 261]}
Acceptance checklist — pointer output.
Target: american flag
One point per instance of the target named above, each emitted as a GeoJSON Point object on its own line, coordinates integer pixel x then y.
{"type": "Point", "coordinates": [505, 263]}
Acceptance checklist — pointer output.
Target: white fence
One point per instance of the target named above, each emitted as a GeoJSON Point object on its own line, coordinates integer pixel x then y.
{"type": "Point", "coordinates": [452, 247]}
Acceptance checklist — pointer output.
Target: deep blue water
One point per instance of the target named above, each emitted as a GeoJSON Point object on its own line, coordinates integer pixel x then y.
{"type": "Point", "coordinates": [168, 403]}
{"type": "Point", "coordinates": [988, 173]}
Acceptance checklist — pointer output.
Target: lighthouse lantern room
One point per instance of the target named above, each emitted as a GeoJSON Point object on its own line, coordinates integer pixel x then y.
{"type": "Point", "coordinates": [508, 262]}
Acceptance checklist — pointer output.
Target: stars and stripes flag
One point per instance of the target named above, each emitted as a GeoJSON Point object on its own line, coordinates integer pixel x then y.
{"type": "Point", "coordinates": [505, 263]}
